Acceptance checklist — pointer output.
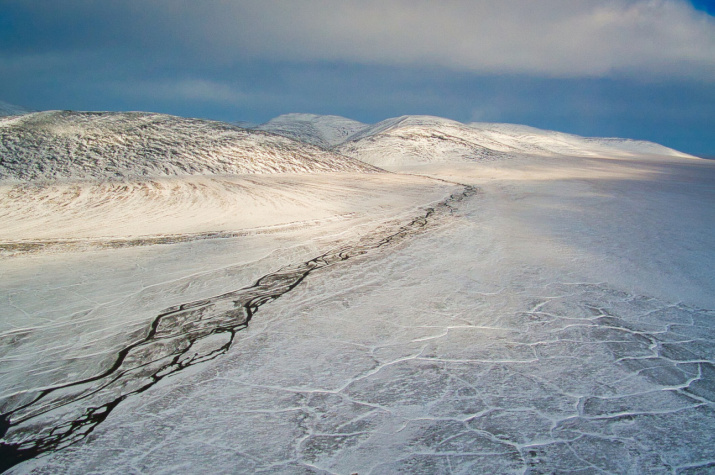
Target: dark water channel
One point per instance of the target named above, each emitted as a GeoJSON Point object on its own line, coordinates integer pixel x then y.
{"type": "Point", "coordinates": [178, 337]}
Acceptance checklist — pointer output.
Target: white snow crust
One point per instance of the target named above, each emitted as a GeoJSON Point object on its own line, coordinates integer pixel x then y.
{"type": "Point", "coordinates": [83, 213]}
{"type": "Point", "coordinates": [558, 318]}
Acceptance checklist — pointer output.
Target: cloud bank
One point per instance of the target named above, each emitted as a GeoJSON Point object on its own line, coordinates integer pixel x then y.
{"type": "Point", "coordinates": [550, 38]}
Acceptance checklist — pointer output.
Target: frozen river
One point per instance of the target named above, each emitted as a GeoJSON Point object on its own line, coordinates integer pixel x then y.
{"type": "Point", "coordinates": [561, 319]}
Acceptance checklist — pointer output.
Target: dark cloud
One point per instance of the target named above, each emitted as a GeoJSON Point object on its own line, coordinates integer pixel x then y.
{"type": "Point", "coordinates": [641, 69]}
{"type": "Point", "coordinates": [558, 38]}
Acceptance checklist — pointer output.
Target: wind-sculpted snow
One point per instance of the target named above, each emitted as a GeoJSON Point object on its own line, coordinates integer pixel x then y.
{"type": "Point", "coordinates": [54, 417]}
{"type": "Point", "coordinates": [322, 130]}
{"type": "Point", "coordinates": [57, 216]}
{"type": "Point", "coordinates": [104, 145]}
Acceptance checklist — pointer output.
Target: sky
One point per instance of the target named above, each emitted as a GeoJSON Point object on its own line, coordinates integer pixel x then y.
{"type": "Point", "coordinates": [642, 69]}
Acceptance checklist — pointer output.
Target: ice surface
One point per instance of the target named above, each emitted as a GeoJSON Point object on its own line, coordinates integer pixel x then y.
{"type": "Point", "coordinates": [179, 337]}
{"type": "Point", "coordinates": [561, 319]}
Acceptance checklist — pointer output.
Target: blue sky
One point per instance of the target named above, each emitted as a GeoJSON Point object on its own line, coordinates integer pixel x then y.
{"type": "Point", "coordinates": [631, 68]}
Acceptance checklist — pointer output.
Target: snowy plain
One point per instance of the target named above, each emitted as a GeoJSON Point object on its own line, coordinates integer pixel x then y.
{"type": "Point", "coordinates": [559, 316]}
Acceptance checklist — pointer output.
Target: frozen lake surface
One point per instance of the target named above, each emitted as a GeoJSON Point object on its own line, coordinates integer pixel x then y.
{"type": "Point", "coordinates": [560, 319]}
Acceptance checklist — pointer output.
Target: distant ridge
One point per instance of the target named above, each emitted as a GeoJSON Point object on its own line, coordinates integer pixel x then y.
{"type": "Point", "coordinates": [54, 145]}
{"type": "Point", "coordinates": [322, 130]}
{"type": "Point", "coordinates": [7, 109]}
{"type": "Point", "coordinates": [410, 140]}
{"type": "Point", "coordinates": [423, 139]}
{"type": "Point", "coordinates": [539, 141]}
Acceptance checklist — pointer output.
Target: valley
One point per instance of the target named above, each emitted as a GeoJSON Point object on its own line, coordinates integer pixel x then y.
{"type": "Point", "coordinates": [453, 298]}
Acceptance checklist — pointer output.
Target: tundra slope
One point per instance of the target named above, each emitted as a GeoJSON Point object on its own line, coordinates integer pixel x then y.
{"type": "Point", "coordinates": [79, 175]}
{"type": "Point", "coordinates": [99, 145]}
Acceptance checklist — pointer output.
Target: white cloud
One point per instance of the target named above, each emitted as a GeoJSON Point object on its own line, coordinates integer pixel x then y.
{"type": "Point", "coordinates": [558, 38]}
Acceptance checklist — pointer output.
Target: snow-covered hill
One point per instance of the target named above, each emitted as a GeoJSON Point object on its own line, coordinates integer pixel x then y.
{"type": "Point", "coordinates": [99, 145]}
{"type": "Point", "coordinates": [547, 142]}
{"type": "Point", "coordinates": [410, 140]}
{"type": "Point", "coordinates": [322, 130]}
{"type": "Point", "coordinates": [12, 109]}
{"type": "Point", "coordinates": [555, 312]}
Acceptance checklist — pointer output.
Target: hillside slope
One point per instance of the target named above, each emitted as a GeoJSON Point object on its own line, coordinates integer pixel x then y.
{"type": "Point", "coordinates": [410, 140]}
{"type": "Point", "coordinates": [419, 139]}
{"type": "Point", "coordinates": [548, 142]}
{"type": "Point", "coordinates": [100, 145]}
{"type": "Point", "coordinates": [322, 130]}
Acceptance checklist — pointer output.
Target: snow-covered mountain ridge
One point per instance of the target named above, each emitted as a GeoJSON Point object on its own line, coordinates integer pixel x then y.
{"type": "Point", "coordinates": [54, 145]}
{"type": "Point", "coordinates": [548, 142]}
{"type": "Point", "coordinates": [98, 145]}
{"type": "Point", "coordinates": [321, 130]}
{"type": "Point", "coordinates": [411, 140]}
